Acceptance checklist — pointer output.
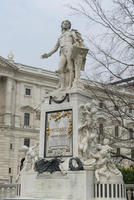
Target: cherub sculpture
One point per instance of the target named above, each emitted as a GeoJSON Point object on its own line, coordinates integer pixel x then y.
{"type": "Point", "coordinates": [30, 157]}
{"type": "Point", "coordinates": [103, 165]}
{"type": "Point", "coordinates": [87, 133]}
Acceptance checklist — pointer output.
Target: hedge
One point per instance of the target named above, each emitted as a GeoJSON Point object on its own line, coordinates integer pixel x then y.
{"type": "Point", "coordinates": [128, 175]}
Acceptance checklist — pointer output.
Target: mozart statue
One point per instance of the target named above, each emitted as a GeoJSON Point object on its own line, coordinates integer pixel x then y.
{"type": "Point", "coordinates": [72, 55]}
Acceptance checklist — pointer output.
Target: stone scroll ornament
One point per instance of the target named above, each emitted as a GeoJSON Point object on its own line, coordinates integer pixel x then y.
{"type": "Point", "coordinates": [72, 56]}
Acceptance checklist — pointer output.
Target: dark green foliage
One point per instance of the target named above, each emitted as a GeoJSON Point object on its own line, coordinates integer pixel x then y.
{"type": "Point", "coordinates": [128, 175]}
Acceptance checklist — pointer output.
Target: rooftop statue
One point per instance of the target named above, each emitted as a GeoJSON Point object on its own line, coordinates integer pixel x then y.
{"type": "Point", "coordinates": [72, 55]}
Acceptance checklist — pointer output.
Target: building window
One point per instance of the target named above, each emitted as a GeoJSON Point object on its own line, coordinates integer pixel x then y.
{"type": "Point", "coordinates": [130, 133]}
{"type": "Point", "coordinates": [101, 129]}
{"type": "Point", "coordinates": [116, 131]}
{"type": "Point", "coordinates": [101, 105]}
{"type": "Point", "coordinates": [28, 91]}
{"type": "Point", "coordinates": [26, 119]}
{"type": "Point", "coordinates": [9, 170]}
{"type": "Point", "coordinates": [132, 153]}
{"type": "Point", "coordinates": [130, 110]}
{"type": "Point", "coordinates": [11, 146]}
{"type": "Point", "coordinates": [27, 142]}
{"type": "Point", "coordinates": [100, 132]}
{"type": "Point", "coordinates": [118, 151]}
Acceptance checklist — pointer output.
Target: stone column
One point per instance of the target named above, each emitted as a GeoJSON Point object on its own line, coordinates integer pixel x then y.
{"type": "Point", "coordinates": [8, 101]}
{"type": "Point", "coordinates": [17, 107]}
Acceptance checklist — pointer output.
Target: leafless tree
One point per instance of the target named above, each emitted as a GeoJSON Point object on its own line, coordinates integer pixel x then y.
{"type": "Point", "coordinates": [113, 48]}
{"type": "Point", "coordinates": [115, 117]}
{"type": "Point", "coordinates": [111, 52]}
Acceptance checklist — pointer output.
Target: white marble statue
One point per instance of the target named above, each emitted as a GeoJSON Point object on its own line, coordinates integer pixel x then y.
{"type": "Point", "coordinates": [93, 155]}
{"type": "Point", "coordinates": [72, 55]}
{"type": "Point", "coordinates": [102, 157]}
{"type": "Point", "coordinates": [30, 157]}
{"type": "Point", "coordinates": [87, 131]}
{"type": "Point", "coordinates": [30, 154]}
{"type": "Point", "coordinates": [104, 165]}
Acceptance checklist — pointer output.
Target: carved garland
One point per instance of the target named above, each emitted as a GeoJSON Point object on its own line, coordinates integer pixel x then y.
{"type": "Point", "coordinates": [59, 101]}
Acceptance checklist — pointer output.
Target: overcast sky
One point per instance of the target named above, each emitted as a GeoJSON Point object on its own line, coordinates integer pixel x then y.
{"type": "Point", "coordinates": [30, 28]}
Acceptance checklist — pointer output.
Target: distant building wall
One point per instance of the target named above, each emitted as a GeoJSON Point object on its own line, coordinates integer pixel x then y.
{"type": "Point", "coordinates": [22, 88]}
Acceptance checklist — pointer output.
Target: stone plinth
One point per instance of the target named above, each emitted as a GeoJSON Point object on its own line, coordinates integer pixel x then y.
{"type": "Point", "coordinates": [52, 104]}
{"type": "Point", "coordinates": [59, 136]}
{"type": "Point", "coordinates": [76, 185]}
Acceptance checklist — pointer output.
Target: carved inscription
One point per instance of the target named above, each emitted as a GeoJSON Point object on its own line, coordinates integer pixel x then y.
{"type": "Point", "coordinates": [58, 134]}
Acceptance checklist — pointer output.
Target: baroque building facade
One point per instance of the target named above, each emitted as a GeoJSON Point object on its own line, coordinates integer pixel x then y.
{"type": "Point", "coordinates": [21, 91]}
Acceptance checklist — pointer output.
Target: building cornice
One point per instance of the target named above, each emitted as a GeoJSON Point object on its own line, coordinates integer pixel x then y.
{"type": "Point", "coordinates": [38, 72]}
{"type": "Point", "coordinates": [4, 62]}
{"type": "Point", "coordinates": [27, 74]}
{"type": "Point", "coordinates": [95, 87]}
{"type": "Point", "coordinates": [26, 129]}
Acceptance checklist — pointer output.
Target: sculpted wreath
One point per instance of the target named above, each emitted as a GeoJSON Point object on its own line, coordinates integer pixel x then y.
{"type": "Point", "coordinates": [79, 164]}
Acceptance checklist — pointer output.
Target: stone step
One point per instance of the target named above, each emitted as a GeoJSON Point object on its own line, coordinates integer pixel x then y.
{"type": "Point", "coordinates": [26, 198]}
{"type": "Point", "coordinates": [31, 199]}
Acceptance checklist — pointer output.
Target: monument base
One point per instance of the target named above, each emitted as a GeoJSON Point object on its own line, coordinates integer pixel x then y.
{"type": "Point", "coordinates": [75, 185]}
{"type": "Point", "coordinates": [60, 120]}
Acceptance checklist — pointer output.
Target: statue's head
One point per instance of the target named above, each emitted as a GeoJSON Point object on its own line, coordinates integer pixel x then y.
{"type": "Point", "coordinates": [66, 24]}
{"type": "Point", "coordinates": [106, 141]}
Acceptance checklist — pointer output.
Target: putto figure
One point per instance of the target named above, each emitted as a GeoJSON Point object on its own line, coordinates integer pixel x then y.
{"type": "Point", "coordinates": [71, 45]}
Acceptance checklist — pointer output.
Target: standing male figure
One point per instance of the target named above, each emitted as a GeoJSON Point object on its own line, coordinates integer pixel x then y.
{"type": "Point", "coordinates": [66, 41]}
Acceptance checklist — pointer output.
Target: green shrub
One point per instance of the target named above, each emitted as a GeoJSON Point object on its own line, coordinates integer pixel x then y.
{"type": "Point", "coordinates": [128, 175]}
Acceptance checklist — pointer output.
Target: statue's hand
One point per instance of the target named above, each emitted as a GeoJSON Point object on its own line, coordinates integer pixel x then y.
{"type": "Point", "coordinates": [44, 56]}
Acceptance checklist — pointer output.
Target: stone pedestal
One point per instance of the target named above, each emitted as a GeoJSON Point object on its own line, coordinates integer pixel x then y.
{"type": "Point", "coordinates": [59, 129]}
{"type": "Point", "coordinates": [75, 185]}
{"type": "Point", "coordinates": [70, 102]}
{"type": "Point", "coordinates": [59, 136]}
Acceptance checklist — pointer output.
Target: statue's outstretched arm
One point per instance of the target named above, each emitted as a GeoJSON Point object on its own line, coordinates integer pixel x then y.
{"type": "Point", "coordinates": [34, 147]}
{"type": "Point", "coordinates": [46, 55]}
